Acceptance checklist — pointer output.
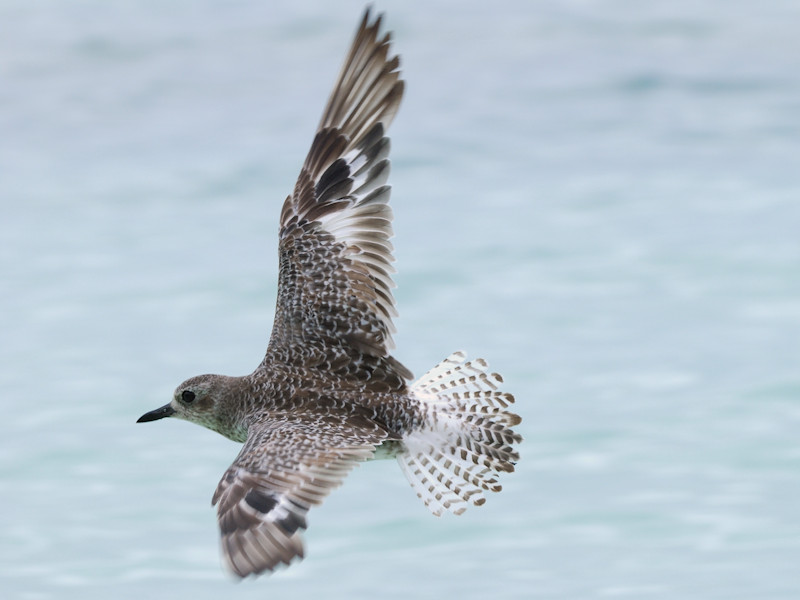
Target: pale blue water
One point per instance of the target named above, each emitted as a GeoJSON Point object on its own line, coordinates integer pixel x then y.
{"type": "Point", "coordinates": [602, 198]}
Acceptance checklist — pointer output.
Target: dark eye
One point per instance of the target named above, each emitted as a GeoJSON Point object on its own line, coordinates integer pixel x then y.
{"type": "Point", "coordinates": [188, 396]}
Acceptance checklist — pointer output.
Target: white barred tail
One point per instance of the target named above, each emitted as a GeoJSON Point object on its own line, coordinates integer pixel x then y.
{"type": "Point", "coordinates": [466, 440]}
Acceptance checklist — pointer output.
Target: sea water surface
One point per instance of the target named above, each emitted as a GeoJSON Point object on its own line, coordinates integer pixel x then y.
{"type": "Point", "coordinates": [601, 198]}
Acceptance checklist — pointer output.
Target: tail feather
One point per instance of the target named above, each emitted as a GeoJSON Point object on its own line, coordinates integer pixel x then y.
{"type": "Point", "coordinates": [466, 440]}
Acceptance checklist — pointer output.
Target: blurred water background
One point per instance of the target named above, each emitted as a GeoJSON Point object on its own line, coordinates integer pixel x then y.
{"type": "Point", "coordinates": [601, 198]}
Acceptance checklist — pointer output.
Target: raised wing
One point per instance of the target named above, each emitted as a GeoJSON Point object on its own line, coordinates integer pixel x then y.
{"type": "Point", "coordinates": [287, 465]}
{"type": "Point", "coordinates": [335, 304]}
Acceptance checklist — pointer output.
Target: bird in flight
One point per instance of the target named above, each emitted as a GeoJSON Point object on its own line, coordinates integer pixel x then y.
{"type": "Point", "coordinates": [329, 394]}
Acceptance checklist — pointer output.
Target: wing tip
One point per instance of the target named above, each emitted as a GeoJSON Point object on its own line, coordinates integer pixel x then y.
{"type": "Point", "coordinates": [243, 557]}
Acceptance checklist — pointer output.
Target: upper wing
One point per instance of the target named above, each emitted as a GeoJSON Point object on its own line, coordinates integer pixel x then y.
{"type": "Point", "coordinates": [335, 303]}
{"type": "Point", "coordinates": [287, 465]}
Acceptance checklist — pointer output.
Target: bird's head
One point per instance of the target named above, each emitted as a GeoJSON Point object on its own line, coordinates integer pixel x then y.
{"type": "Point", "coordinates": [207, 400]}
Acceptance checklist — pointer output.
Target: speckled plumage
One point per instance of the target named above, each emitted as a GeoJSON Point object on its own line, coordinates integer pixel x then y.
{"type": "Point", "coordinates": [328, 394]}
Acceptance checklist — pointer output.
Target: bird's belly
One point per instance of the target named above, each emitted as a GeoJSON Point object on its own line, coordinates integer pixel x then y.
{"type": "Point", "coordinates": [388, 449]}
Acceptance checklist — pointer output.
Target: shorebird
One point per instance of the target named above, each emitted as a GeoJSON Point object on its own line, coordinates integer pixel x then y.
{"type": "Point", "coordinates": [328, 394]}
